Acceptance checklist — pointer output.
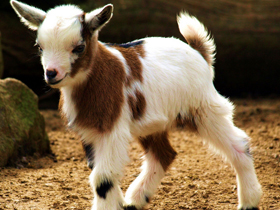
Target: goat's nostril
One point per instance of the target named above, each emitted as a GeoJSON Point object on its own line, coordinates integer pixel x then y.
{"type": "Point", "coordinates": [51, 74]}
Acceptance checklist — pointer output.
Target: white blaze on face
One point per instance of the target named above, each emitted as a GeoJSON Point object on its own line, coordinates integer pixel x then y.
{"type": "Point", "coordinates": [58, 35]}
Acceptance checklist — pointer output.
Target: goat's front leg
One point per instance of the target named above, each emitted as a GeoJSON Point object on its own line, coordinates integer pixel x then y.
{"type": "Point", "coordinates": [109, 161]}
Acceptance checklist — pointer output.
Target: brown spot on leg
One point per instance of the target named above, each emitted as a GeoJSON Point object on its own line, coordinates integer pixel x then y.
{"type": "Point", "coordinates": [160, 146]}
{"type": "Point", "coordinates": [186, 121]}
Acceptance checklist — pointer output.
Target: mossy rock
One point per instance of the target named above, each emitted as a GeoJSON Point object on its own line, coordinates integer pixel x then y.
{"type": "Point", "coordinates": [22, 127]}
{"type": "Point", "coordinates": [1, 59]}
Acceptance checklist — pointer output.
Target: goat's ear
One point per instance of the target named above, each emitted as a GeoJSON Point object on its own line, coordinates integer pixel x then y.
{"type": "Point", "coordinates": [99, 17]}
{"type": "Point", "coordinates": [30, 16]}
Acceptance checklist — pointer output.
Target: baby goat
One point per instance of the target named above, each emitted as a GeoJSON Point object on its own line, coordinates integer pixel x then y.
{"type": "Point", "coordinates": [111, 93]}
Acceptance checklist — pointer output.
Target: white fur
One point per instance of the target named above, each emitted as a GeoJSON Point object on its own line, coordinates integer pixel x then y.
{"type": "Point", "coordinates": [145, 185]}
{"type": "Point", "coordinates": [110, 158]}
{"type": "Point", "coordinates": [57, 36]}
{"type": "Point", "coordinates": [176, 79]}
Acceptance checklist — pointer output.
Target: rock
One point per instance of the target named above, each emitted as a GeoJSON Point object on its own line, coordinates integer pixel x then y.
{"type": "Point", "coordinates": [1, 59]}
{"type": "Point", "coordinates": [22, 127]}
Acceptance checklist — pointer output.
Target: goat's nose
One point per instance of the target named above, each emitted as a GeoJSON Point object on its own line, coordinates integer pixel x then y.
{"type": "Point", "coordinates": [51, 74]}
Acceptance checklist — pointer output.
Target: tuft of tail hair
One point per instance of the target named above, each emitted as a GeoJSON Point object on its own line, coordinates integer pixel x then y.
{"type": "Point", "coordinates": [197, 36]}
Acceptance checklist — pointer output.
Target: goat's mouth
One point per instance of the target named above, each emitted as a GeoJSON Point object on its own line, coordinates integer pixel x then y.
{"type": "Point", "coordinates": [55, 82]}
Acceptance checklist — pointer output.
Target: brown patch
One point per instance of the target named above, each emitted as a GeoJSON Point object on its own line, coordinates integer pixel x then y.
{"type": "Point", "coordinates": [132, 59]}
{"type": "Point", "coordinates": [160, 146]}
{"type": "Point", "coordinates": [140, 50]}
{"type": "Point", "coordinates": [99, 99]}
{"type": "Point", "coordinates": [187, 121]}
{"type": "Point", "coordinates": [86, 58]}
{"type": "Point", "coordinates": [137, 105]}
{"type": "Point", "coordinates": [128, 80]}
{"type": "Point", "coordinates": [196, 43]}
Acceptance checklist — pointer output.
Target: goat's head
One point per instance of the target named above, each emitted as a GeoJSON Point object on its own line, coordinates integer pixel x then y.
{"type": "Point", "coordinates": [66, 38]}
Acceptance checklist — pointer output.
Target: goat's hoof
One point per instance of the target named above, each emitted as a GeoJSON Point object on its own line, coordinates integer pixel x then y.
{"type": "Point", "coordinates": [90, 165]}
{"type": "Point", "coordinates": [250, 208]}
{"type": "Point", "coordinates": [129, 207]}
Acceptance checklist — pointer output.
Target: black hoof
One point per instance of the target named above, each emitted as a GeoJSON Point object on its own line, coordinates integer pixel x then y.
{"type": "Point", "coordinates": [251, 208]}
{"type": "Point", "coordinates": [147, 199]}
{"type": "Point", "coordinates": [90, 165]}
{"type": "Point", "coordinates": [129, 208]}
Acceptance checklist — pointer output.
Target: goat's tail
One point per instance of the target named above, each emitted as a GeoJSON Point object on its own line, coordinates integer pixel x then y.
{"type": "Point", "coordinates": [197, 36]}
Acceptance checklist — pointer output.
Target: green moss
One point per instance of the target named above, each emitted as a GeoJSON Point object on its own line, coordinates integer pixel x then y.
{"type": "Point", "coordinates": [24, 126]}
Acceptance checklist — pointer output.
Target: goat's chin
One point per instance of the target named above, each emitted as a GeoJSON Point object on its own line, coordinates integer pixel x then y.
{"type": "Point", "coordinates": [58, 83]}
{"type": "Point", "coordinates": [57, 86]}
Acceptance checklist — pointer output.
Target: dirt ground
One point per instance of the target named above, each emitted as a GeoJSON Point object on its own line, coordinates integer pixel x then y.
{"type": "Point", "coordinates": [197, 179]}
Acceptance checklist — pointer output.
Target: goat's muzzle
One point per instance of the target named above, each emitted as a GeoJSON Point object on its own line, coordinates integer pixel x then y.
{"type": "Point", "coordinates": [51, 77]}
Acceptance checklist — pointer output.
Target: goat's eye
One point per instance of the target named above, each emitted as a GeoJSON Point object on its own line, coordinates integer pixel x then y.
{"type": "Point", "coordinates": [40, 49]}
{"type": "Point", "coordinates": [79, 49]}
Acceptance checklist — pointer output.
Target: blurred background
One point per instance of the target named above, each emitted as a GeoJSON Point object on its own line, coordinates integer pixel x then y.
{"type": "Point", "coordinates": [246, 32]}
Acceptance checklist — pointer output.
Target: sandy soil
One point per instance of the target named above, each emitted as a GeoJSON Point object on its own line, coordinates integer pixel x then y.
{"type": "Point", "coordinates": [197, 179]}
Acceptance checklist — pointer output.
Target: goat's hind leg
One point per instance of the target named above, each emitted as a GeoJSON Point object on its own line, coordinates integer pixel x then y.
{"type": "Point", "coordinates": [158, 156]}
{"type": "Point", "coordinates": [216, 127]}
{"type": "Point", "coordinates": [89, 150]}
